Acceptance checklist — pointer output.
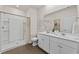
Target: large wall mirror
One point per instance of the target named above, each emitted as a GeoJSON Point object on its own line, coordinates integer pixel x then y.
{"type": "Point", "coordinates": [65, 17]}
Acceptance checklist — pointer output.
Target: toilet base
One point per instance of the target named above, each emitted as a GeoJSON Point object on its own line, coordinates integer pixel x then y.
{"type": "Point", "coordinates": [34, 44]}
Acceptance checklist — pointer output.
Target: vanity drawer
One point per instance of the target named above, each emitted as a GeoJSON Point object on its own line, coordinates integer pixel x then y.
{"type": "Point", "coordinates": [66, 42]}
{"type": "Point", "coordinates": [69, 43]}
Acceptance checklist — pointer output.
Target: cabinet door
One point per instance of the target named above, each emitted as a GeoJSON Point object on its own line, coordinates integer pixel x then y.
{"type": "Point", "coordinates": [46, 43]}
{"type": "Point", "coordinates": [40, 41]}
{"type": "Point", "coordinates": [63, 49]}
{"type": "Point", "coordinates": [54, 49]}
{"type": "Point", "coordinates": [43, 42]}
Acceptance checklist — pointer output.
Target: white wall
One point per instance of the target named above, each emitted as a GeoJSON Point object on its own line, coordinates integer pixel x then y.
{"type": "Point", "coordinates": [32, 13]}
{"type": "Point", "coordinates": [66, 15]}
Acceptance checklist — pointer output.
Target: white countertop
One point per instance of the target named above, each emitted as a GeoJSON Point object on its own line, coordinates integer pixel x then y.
{"type": "Point", "coordinates": [68, 36]}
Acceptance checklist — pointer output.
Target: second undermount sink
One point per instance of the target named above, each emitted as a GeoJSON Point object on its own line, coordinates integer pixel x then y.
{"type": "Point", "coordinates": [59, 33]}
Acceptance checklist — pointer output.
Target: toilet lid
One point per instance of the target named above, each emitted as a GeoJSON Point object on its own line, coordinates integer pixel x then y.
{"type": "Point", "coordinates": [34, 39]}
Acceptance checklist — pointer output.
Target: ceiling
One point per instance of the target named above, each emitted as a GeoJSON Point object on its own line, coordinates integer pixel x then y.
{"type": "Point", "coordinates": [25, 7]}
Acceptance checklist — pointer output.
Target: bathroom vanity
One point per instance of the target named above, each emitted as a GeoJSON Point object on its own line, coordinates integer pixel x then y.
{"type": "Point", "coordinates": [58, 43]}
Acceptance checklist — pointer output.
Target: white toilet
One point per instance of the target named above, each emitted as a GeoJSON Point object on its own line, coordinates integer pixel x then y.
{"type": "Point", "coordinates": [34, 41]}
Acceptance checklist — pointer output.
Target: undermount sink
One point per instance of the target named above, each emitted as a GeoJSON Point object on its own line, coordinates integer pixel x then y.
{"type": "Point", "coordinates": [58, 33]}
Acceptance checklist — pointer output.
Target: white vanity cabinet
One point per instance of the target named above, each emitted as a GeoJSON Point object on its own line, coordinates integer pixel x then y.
{"type": "Point", "coordinates": [54, 49]}
{"type": "Point", "coordinates": [63, 49]}
{"type": "Point", "coordinates": [62, 46]}
{"type": "Point", "coordinates": [57, 44]}
{"type": "Point", "coordinates": [43, 42]}
{"type": "Point", "coordinates": [40, 41]}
